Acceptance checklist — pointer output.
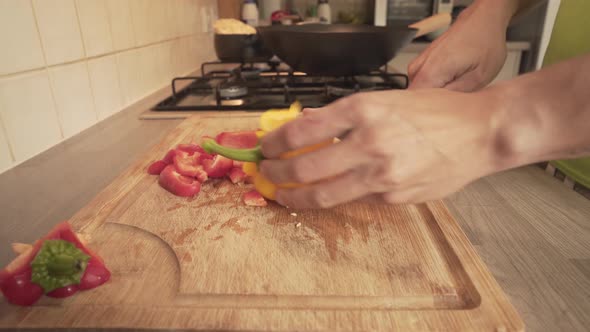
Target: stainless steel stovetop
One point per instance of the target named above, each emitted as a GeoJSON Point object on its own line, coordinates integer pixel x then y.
{"type": "Point", "coordinates": [258, 86]}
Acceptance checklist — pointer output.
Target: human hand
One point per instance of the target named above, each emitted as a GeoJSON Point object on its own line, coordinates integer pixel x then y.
{"type": "Point", "coordinates": [469, 54]}
{"type": "Point", "coordinates": [396, 147]}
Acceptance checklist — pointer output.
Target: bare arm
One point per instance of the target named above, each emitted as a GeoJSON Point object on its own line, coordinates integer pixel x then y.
{"type": "Point", "coordinates": [411, 146]}
{"type": "Point", "coordinates": [545, 115]}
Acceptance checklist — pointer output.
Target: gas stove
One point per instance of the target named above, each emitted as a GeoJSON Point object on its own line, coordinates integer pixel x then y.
{"type": "Point", "coordinates": [225, 86]}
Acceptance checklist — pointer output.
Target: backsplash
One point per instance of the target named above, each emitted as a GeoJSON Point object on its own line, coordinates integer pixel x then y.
{"type": "Point", "coordinates": [66, 65]}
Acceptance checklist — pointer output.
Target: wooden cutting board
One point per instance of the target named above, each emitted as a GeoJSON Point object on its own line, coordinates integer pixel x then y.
{"type": "Point", "coordinates": [213, 263]}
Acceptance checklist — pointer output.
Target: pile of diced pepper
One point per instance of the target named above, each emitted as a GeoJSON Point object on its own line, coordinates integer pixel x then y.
{"type": "Point", "coordinates": [186, 167]}
{"type": "Point", "coordinates": [234, 155]}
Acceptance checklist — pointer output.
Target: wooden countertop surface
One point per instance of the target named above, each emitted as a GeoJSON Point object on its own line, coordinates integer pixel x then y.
{"type": "Point", "coordinates": [531, 231]}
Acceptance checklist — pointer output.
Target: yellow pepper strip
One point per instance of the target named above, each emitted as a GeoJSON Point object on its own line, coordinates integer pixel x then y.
{"type": "Point", "coordinates": [274, 118]}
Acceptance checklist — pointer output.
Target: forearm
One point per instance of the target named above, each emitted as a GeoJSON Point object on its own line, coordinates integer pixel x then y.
{"type": "Point", "coordinates": [504, 10]}
{"type": "Point", "coordinates": [543, 115]}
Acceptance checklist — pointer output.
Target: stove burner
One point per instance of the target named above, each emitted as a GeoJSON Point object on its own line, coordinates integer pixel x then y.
{"type": "Point", "coordinates": [248, 73]}
{"type": "Point", "coordinates": [342, 89]}
{"type": "Point", "coordinates": [232, 90]}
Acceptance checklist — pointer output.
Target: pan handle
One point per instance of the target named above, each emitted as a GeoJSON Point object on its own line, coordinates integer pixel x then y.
{"type": "Point", "coordinates": [431, 24]}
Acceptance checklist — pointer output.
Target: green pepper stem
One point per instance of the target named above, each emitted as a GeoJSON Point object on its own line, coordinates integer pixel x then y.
{"type": "Point", "coordinates": [251, 155]}
{"type": "Point", "coordinates": [57, 264]}
{"type": "Point", "coordinates": [63, 264]}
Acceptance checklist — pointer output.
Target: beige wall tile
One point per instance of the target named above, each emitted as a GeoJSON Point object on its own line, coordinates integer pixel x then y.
{"type": "Point", "coordinates": [6, 160]}
{"type": "Point", "coordinates": [172, 19]}
{"type": "Point", "coordinates": [130, 75]}
{"type": "Point", "coordinates": [159, 15]}
{"type": "Point", "coordinates": [163, 62]}
{"type": "Point", "coordinates": [143, 26]}
{"type": "Point", "coordinates": [28, 112]}
{"type": "Point", "coordinates": [148, 58]}
{"type": "Point", "coordinates": [73, 97]}
{"type": "Point", "coordinates": [121, 24]}
{"type": "Point", "coordinates": [179, 55]}
{"type": "Point", "coordinates": [104, 80]}
{"type": "Point", "coordinates": [95, 26]}
{"type": "Point", "coordinates": [59, 29]}
{"type": "Point", "coordinates": [40, 108]}
{"type": "Point", "coordinates": [21, 47]}
{"type": "Point", "coordinates": [186, 17]}
{"type": "Point", "coordinates": [208, 48]}
{"type": "Point", "coordinates": [201, 49]}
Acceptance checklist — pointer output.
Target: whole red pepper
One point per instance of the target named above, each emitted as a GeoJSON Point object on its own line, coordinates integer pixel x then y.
{"type": "Point", "coordinates": [58, 265]}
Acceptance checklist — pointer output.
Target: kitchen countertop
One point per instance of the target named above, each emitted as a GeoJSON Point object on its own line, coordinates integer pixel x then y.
{"type": "Point", "coordinates": [531, 230]}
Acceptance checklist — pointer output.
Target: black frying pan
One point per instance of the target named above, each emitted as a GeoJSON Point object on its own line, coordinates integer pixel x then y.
{"type": "Point", "coordinates": [343, 49]}
{"type": "Point", "coordinates": [241, 48]}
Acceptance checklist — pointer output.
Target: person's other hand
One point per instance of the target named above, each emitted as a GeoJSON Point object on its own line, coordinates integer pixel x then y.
{"type": "Point", "coordinates": [396, 147]}
{"type": "Point", "coordinates": [468, 55]}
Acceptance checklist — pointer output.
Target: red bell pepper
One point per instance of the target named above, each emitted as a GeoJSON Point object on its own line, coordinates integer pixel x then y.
{"type": "Point", "coordinates": [194, 148]}
{"type": "Point", "coordinates": [217, 167]}
{"type": "Point", "coordinates": [177, 183]}
{"type": "Point", "coordinates": [254, 198]}
{"type": "Point", "coordinates": [157, 167]}
{"type": "Point", "coordinates": [189, 165]}
{"type": "Point", "coordinates": [190, 148]}
{"type": "Point", "coordinates": [237, 175]}
{"type": "Point", "coordinates": [66, 291]}
{"type": "Point", "coordinates": [237, 139]}
{"type": "Point", "coordinates": [58, 265]}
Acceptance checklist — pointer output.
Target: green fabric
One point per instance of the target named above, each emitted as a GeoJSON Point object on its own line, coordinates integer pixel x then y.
{"type": "Point", "coordinates": [571, 37]}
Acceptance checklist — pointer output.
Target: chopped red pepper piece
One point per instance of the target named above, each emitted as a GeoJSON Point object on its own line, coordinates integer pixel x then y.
{"type": "Point", "coordinates": [217, 167]}
{"type": "Point", "coordinates": [177, 183]}
{"type": "Point", "coordinates": [237, 175]}
{"type": "Point", "coordinates": [253, 198]}
{"type": "Point", "coordinates": [188, 165]}
{"type": "Point", "coordinates": [237, 139]}
{"type": "Point", "coordinates": [16, 280]}
{"type": "Point", "coordinates": [156, 167]}
{"type": "Point", "coordinates": [169, 157]}
{"type": "Point", "coordinates": [190, 148]}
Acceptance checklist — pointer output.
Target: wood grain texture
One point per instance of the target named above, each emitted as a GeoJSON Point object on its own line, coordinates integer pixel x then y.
{"type": "Point", "coordinates": [531, 231]}
{"type": "Point", "coordinates": [213, 263]}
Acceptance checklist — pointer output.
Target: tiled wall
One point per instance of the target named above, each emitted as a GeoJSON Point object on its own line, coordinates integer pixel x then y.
{"type": "Point", "coordinates": [67, 64]}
